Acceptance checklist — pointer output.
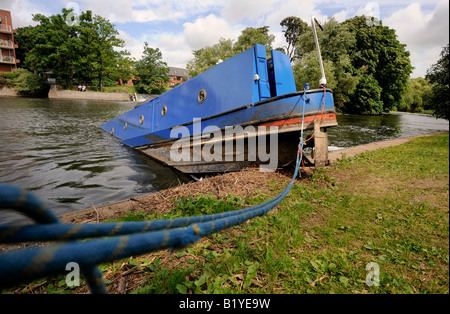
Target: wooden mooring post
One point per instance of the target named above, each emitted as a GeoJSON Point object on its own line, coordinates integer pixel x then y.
{"type": "Point", "coordinates": [320, 145]}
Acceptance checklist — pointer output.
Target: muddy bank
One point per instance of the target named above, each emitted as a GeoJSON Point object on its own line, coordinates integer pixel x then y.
{"type": "Point", "coordinates": [248, 182]}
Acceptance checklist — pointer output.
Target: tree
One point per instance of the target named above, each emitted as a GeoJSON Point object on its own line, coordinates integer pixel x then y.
{"type": "Point", "coordinates": [251, 36]}
{"type": "Point", "coordinates": [378, 53]}
{"type": "Point", "coordinates": [293, 28]}
{"type": "Point", "coordinates": [84, 51]}
{"type": "Point", "coordinates": [25, 40]}
{"type": "Point", "coordinates": [152, 71]}
{"type": "Point", "coordinates": [23, 81]}
{"type": "Point", "coordinates": [53, 46]}
{"type": "Point", "coordinates": [366, 66]}
{"type": "Point", "coordinates": [26, 82]}
{"type": "Point", "coordinates": [209, 56]}
{"type": "Point", "coordinates": [335, 42]}
{"type": "Point", "coordinates": [438, 75]}
{"type": "Point", "coordinates": [417, 96]}
{"type": "Point", "coordinates": [307, 70]}
{"type": "Point", "coordinates": [124, 67]}
{"type": "Point", "coordinates": [367, 96]}
{"type": "Point", "coordinates": [105, 40]}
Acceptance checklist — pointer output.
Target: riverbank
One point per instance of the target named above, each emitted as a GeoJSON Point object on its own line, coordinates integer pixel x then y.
{"type": "Point", "coordinates": [243, 183]}
{"type": "Point", "coordinates": [56, 93]}
{"type": "Point", "coordinates": [6, 91]}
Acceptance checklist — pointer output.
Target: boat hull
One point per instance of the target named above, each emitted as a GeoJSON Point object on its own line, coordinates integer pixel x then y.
{"type": "Point", "coordinates": [268, 142]}
{"type": "Point", "coordinates": [229, 161]}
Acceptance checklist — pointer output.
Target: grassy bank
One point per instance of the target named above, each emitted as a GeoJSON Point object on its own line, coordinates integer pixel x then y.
{"type": "Point", "coordinates": [389, 206]}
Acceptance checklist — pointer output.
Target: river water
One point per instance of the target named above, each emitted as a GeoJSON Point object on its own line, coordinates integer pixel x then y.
{"type": "Point", "coordinates": [56, 149]}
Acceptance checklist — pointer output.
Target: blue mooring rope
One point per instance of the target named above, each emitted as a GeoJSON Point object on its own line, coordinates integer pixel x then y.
{"type": "Point", "coordinates": [123, 239]}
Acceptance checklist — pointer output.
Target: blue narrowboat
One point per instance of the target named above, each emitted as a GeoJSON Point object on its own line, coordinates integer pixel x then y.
{"type": "Point", "coordinates": [243, 112]}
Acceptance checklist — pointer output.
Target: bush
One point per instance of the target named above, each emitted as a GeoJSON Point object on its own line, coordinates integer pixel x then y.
{"type": "Point", "coordinates": [24, 81]}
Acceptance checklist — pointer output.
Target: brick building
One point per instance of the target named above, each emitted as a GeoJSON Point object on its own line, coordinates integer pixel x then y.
{"type": "Point", "coordinates": [8, 60]}
{"type": "Point", "coordinates": [178, 75]}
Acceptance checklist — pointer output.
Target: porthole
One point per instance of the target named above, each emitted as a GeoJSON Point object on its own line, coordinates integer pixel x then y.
{"type": "Point", "coordinates": [201, 96]}
{"type": "Point", "coordinates": [164, 111]}
{"type": "Point", "coordinates": [141, 120]}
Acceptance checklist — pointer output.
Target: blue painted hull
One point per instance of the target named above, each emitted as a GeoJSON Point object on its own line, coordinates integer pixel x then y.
{"type": "Point", "coordinates": [246, 90]}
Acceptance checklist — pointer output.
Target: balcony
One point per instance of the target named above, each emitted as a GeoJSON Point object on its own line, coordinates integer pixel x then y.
{"type": "Point", "coordinates": [6, 29]}
{"type": "Point", "coordinates": [7, 44]}
{"type": "Point", "coordinates": [8, 59]}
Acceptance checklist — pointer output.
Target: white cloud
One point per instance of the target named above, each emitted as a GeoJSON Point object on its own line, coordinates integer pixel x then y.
{"type": "Point", "coordinates": [175, 50]}
{"type": "Point", "coordinates": [251, 11]}
{"type": "Point", "coordinates": [22, 11]}
{"type": "Point", "coordinates": [207, 31]}
{"type": "Point", "coordinates": [141, 11]}
{"type": "Point", "coordinates": [133, 45]}
{"type": "Point", "coordinates": [424, 34]}
{"type": "Point", "coordinates": [342, 15]}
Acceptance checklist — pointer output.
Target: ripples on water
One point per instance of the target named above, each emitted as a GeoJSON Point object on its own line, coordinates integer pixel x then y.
{"type": "Point", "coordinates": [55, 149]}
{"type": "Point", "coordinates": [356, 130]}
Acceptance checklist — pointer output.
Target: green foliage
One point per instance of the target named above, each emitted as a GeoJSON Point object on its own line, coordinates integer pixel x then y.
{"type": "Point", "coordinates": [335, 42]}
{"type": "Point", "coordinates": [152, 72]}
{"type": "Point", "coordinates": [205, 205]}
{"type": "Point", "coordinates": [82, 52]}
{"type": "Point", "coordinates": [381, 55]}
{"type": "Point", "coordinates": [307, 70]}
{"type": "Point", "coordinates": [101, 49]}
{"type": "Point", "coordinates": [367, 97]}
{"type": "Point", "coordinates": [366, 66]}
{"type": "Point", "coordinates": [293, 28]}
{"type": "Point", "coordinates": [22, 80]}
{"type": "Point", "coordinates": [26, 82]}
{"type": "Point", "coordinates": [251, 36]}
{"type": "Point", "coordinates": [438, 75]}
{"type": "Point", "coordinates": [417, 96]}
{"type": "Point", "coordinates": [209, 56]}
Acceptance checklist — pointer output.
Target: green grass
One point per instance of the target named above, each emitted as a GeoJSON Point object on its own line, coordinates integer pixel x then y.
{"type": "Point", "coordinates": [320, 239]}
{"type": "Point", "coordinates": [389, 206]}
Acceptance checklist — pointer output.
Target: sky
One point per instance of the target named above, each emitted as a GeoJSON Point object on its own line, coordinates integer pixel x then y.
{"type": "Point", "coordinates": [177, 27]}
